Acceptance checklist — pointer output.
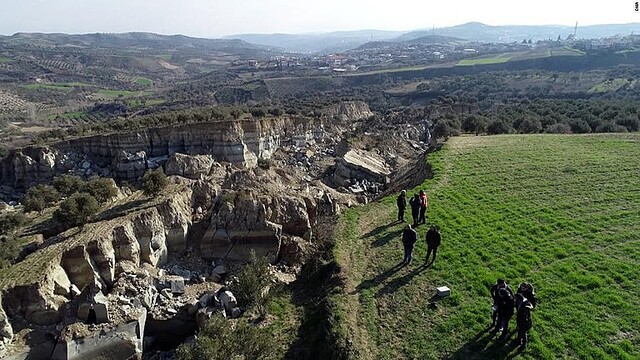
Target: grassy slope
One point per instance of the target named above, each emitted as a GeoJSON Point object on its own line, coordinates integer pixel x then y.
{"type": "Point", "coordinates": [562, 212]}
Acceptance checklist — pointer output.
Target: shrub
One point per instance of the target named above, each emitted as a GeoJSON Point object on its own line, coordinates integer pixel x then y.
{"type": "Point", "coordinates": [9, 250]}
{"type": "Point", "coordinates": [580, 127]}
{"type": "Point", "coordinates": [530, 126]}
{"type": "Point", "coordinates": [154, 181]}
{"type": "Point", "coordinates": [252, 281]}
{"type": "Point", "coordinates": [498, 127]}
{"type": "Point", "coordinates": [77, 209]}
{"type": "Point", "coordinates": [39, 197]}
{"type": "Point", "coordinates": [67, 184]}
{"type": "Point", "coordinates": [222, 339]}
{"type": "Point", "coordinates": [559, 128]}
{"type": "Point", "coordinates": [609, 127]}
{"type": "Point", "coordinates": [103, 189]}
{"type": "Point", "coordinates": [10, 221]}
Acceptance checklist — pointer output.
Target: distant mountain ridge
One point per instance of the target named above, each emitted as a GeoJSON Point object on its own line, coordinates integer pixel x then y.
{"type": "Point", "coordinates": [472, 31]}
{"type": "Point", "coordinates": [475, 31]}
{"type": "Point", "coordinates": [130, 39]}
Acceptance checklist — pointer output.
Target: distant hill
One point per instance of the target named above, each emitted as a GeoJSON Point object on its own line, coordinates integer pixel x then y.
{"type": "Point", "coordinates": [427, 39]}
{"type": "Point", "coordinates": [476, 31]}
{"type": "Point", "coordinates": [132, 40]}
{"type": "Point", "coordinates": [321, 42]}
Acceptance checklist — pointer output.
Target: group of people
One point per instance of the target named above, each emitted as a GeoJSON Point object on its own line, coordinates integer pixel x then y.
{"type": "Point", "coordinates": [506, 303]}
{"type": "Point", "coordinates": [419, 203]}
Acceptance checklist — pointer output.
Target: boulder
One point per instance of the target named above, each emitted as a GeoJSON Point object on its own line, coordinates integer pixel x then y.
{"type": "Point", "coordinates": [361, 164]}
{"type": "Point", "coordinates": [61, 282]}
{"type": "Point", "coordinates": [189, 166]}
{"type": "Point", "coordinates": [6, 332]}
{"type": "Point", "coordinates": [228, 301]}
{"type": "Point", "coordinates": [238, 226]}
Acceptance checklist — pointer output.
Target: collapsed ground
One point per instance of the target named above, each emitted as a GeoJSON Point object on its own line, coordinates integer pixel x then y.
{"type": "Point", "coordinates": [561, 212]}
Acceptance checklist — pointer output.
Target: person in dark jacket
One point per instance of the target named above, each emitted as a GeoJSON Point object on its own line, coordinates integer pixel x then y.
{"type": "Point", "coordinates": [414, 202]}
{"type": "Point", "coordinates": [500, 284]}
{"type": "Point", "coordinates": [409, 238]}
{"type": "Point", "coordinates": [433, 238]}
{"type": "Point", "coordinates": [424, 202]}
{"type": "Point", "coordinates": [402, 205]}
{"type": "Point", "coordinates": [523, 319]}
{"type": "Point", "coordinates": [506, 305]}
{"type": "Point", "coordinates": [528, 293]}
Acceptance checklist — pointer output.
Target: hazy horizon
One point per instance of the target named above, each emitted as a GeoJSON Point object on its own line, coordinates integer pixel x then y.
{"type": "Point", "coordinates": [214, 19]}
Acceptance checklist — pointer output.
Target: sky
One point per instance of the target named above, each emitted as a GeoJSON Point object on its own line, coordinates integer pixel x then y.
{"type": "Point", "coordinates": [216, 18]}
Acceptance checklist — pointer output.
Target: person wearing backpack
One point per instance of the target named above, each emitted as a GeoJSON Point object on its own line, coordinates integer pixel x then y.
{"type": "Point", "coordinates": [402, 205]}
{"type": "Point", "coordinates": [433, 239]}
{"type": "Point", "coordinates": [523, 319]}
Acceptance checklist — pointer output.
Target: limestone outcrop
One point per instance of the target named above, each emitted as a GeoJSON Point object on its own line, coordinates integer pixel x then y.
{"type": "Point", "coordinates": [189, 166]}
{"type": "Point", "coordinates": [349, 111]}
{"type": "Point", "coordinates": [125, 156]}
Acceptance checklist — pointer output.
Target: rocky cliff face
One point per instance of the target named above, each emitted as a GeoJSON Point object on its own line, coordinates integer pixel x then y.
{"type": "Point", "coordinates": [349, 111]}
{"type": "Point", "coordinates": [125, 156]}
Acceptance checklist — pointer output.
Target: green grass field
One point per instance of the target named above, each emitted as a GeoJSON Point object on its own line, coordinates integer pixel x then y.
{"type": "Point", "coordinates": [561, 212]}
{"type": "Point", "coordinates": [144, 81]}
{"type": "Point", "coordinates": [485, 60]}
{"type": "Point", "coordinates": [608, 85]}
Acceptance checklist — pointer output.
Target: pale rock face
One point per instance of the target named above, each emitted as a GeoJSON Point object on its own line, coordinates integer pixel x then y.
{"type": "Point", "coordinates": [6, 332]}
{"type": "Point", "coordinates": [239, 225]}
{"type": "Point", "coordinates": [125, 244]}
{"type": "Point", "coordinates": [79, 267]}
{"type": "Point", "coordinates": [176, 218]}
{"type": "Point", "coordinates": [190, 166]}
{"type": "Point", "coordinates": [150, 234]}
{"type": "Point", "coordinates": [62, 284]}
{"type": "Point", "coordinates": [103, 257]}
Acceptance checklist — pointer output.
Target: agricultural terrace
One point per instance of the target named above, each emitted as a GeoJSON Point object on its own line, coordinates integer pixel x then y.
{"type": "Point", "coordinates": [559, 211]}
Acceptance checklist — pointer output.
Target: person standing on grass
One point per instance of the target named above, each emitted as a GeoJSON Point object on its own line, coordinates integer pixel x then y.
{"type": "Point", "coordinates": [409, 238]}
{"type": "Point", "coordinates": [433, 239]}
{"type": "Point", "coordinates": [402, 205]}
{"type": "Point", "coordinates": [523, 319]}
{"type": "Point", "coordinates": [506, 305]}
{"type": "Point", "coordinates": [500, 284]}
{"type": "Point", "coordinates": [415, 209]}
{"type": "Point", "coordinates": [424, 202]}
{"type": "Point", "coordinates": [528, 293]}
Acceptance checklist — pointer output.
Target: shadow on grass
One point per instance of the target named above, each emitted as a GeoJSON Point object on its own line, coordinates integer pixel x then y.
{"type": "Point", "coordinates": [397, 283]}
{"type": "Point", "coordinates": [385, 239]}
{"type": "Point", "coordinates": [377, 280]}
{"type": "Point", "coordinates": [380, 229]}
{"type": "Point", "coordinates": [485, 345]}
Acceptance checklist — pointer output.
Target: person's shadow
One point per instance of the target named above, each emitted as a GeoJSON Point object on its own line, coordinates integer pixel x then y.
{"type": "Point", "coordinates": [397, 283]}
{"type": "Point", "coordinates": [480, 347]}
{"type": "Point", "coordinates": [378, 279]}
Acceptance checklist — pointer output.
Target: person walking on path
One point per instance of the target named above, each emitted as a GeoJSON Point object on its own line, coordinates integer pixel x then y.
{"type": "Point", "coordinates": [415, 209]}
{"type": "Point", "coordinates": [500, 284]}
{"type": "Point", "coordinates": [402, 205]}
{"type": "Point", "coordinates": [424, 203]}
{"type": "Point", "coordinates": [523, 319]}
{"type": "Point", "coordinates": [409, 238]}
{"type": "Point", "coordinates": [433, 239]}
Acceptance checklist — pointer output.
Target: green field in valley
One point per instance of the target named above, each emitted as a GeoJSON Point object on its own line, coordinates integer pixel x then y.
{"type": "Point", "coordinates": [485, 60]}
{"type": "Point", "coordinates": [561, 212]}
